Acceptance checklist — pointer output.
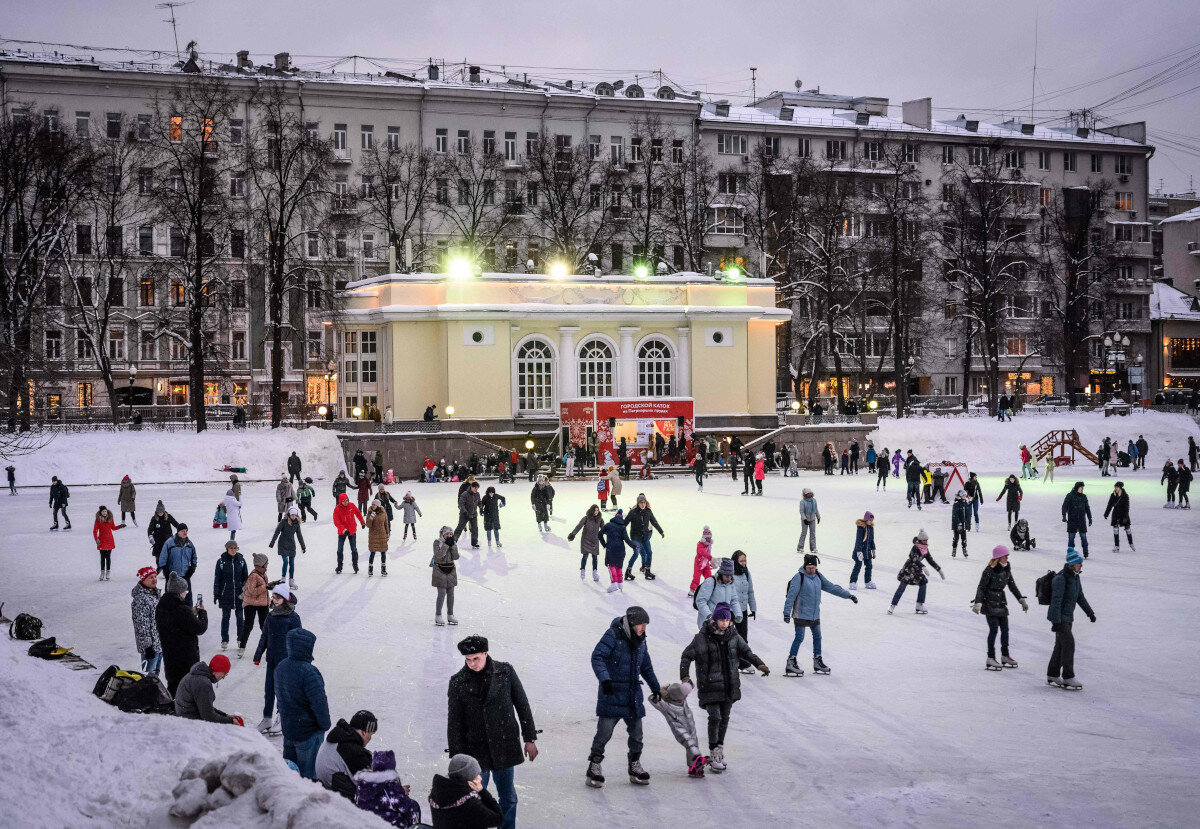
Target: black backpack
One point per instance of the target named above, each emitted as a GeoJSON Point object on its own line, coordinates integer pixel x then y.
{"type": "Point", "coordinates": [48, 649]}
{"type": "Point", "coordinates": [147, 695]}
{"type": "Point", "coordinates": [1044, 587]}
{"type": "Point", "coordinates": [25, 627]}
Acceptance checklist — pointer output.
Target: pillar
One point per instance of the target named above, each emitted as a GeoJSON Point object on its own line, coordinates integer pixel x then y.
{"type": "Point", "coordinates": [627, 373]}
{"type": "Point", "coordinates": [567, 387]}
{"type": "Point", "coordinates": [683, 363]}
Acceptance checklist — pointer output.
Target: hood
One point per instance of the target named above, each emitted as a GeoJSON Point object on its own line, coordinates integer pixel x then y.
{"type": "Point", "coordinates": [383, 760]}
{"type": "Point", "coordinates": [446, 793]}
{"type": "Point", "coordinates": [343, 733]}
{"type": "Point", "coordinates": [283, 609]}
{"type": "Point", "coordinates": [300, 644]}
{"type": "Point", "coordinates": [140, 589]}
{"type": "Point", "coordinates": [618, 520]}
{"type": "Point", "coordinates": [860, 523]}
{"type": "Point", "coordinates": [229, 493]}
{"type": "Point", "coordinates": [445, 529]}
{"type": "Point", "coordinates": [343, 499]}
{"type": "Point", "coordinates": [201, 669]}
{"type": "Point", "coordinates": [1078, 484]}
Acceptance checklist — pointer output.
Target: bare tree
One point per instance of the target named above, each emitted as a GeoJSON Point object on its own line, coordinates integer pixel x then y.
{"type": "Point", "coordinates": [689, 186]}
{"type": "Point", "coordinates": [469, 198]}
{"type": "Point", "coordinates": [401, 180]}
{"type": "Point", "coordinates": [568, 199]}
{"type": "Point", "coordinates": [649, 142]}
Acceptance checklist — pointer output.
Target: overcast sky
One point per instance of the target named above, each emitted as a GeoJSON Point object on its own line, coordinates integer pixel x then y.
{"type": "Point", "coordinates": [969, 57]}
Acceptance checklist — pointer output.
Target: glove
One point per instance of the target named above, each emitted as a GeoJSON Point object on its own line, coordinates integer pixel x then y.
{"type": "Point", "coordinates": [607, 687]}
{"type": "Point", "coordinates": [753, 614]}
{"type": "Point", "coordinates": [1024, 605]}
{"type": "Point", "coordinates": [1054, 627]}
{"type": "Point", "coordinates": [255, 661]}
{"type": "Point", "coordinates": [570, 536]}
{"type": "Point", "coordinates": [765, 670]}
{"type": "Point", "coordinates": [854, 598]}
{"type": "Point", "coordinates": [786, 618]}
{"type": "Point", "coordinates": [872, 554]}
{"type": "Point", "coordinates": [656, 697]}
{"type": "Point", "coordinates": [238, 720]}
{"type": "Point", "coordinates": [975, 608]}
{"type": "Point", "coordinates": [1020, 497]}
{"type": "Point", "coordinates": [1092, 618]}
{"type": "Point", "coordinates": [1064, 519]}
{"type": "Point", "coordinates": [940, 573]}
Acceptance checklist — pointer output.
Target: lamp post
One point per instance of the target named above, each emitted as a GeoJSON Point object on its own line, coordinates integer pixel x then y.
{"type": "Point", "coordinates": [1114, 351]}
{"type": "Point", "coordinates": [132, 377]}
{"type": "Point", "coordinates": [330, 376]}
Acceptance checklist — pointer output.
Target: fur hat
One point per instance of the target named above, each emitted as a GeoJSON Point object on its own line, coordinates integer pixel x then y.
{"type": "Point", "coordinates": [463, 768]}
{"type": "Point", "coordinates": [1073, 556]}
{"type": "Point", "coordinates": [1000, 551]}
{"type": "Point", "coordinates": [473, 644]}
{"type": "Point", "coordinates": [260, 559]}
{"type": "Point", "coordinates": [177, 584]}
{"type": "Point", "coordinates": [726, 567]}
{"type": "Point", "coordinates": [722, 611]}
{"type": "Point", "coordinates": [706, 535]}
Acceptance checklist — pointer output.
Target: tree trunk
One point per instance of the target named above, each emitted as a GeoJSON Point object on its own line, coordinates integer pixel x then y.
{"type": "Point", "coordinates": [898, 363]}
{"type": "Point", "coordinates": [110, 387]}
{"type": "Point", "coordinates": [275, 292]}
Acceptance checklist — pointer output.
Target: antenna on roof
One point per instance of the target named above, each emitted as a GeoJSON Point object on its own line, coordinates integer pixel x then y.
{"type": "Point", "coordinates": [754, 83]}
{"type": "Point", "coordinates": [1033, 79]}
{"type": "Point", "coordinates": [171, 7]}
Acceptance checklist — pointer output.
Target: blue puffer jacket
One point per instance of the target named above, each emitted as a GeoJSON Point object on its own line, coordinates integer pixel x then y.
{"type": "Point", "coordinates": [711, 592]}
{"type": "Point", "coordinates": [804, 595]}
{"type": "Point", "coordinates": [178, 555]}
{"type": "Point", "coordinates": [614, 537]}
{"type": "Point", "coordinates": [228, 580]}
{"type": "Point", "coordinates": [613, 659]}
{"type": "Point", "coordinates": [300, 689]}
{"type": "Point", "coordinates": [281, 621]}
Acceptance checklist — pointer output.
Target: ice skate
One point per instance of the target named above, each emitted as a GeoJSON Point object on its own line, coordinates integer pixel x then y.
{"type": "Point", "coordinates": [870, 585]}
{"type": "Point", "coordinates": [1007, 661]}
{"type": "Point", "coordinates": [650, 576]}
{"type": "Point", "coordinates": [383, 569]}
{"type": "Point", "coordinates": [224, 646]}
{"type": "Point", "coordinates": [356, 569]}
{"type": "Point", "coordinates": [337, 571]}
{"type": "Point", "coordinates": [920, 609]}
{"type": "Point", "coordinates": [792, 669]}
{"type": "Point", "coordinates": [101, 576]}
{"type": "Point", "coordinates": [696, 769]}
{"type": "Point", "coordinates": [691, 593]}
{"type": "Point", "coordinates": [596, 576]}
{"type": "Point", "coordinates": [292, 584]}
{"type": "Point", "coordinates": [819, 666]}
{"type": "Point", "coordinates": [439, 621]}
{"type": "Point", "coordinates": [629, 576]}
{"type": "Point", "coordinates": [1071, 684]}
{"type": "Point", "coordinates": [1053, 680]}
{"type": "Point", "coordinates": [498, 543]}
{"type": "Point", "coordinates": [891, 609]}
{"type": "Point", "coordinates": [853, 585]}
{"type": "Point", "coordinates": [993, 665]}
{"type": "Point", "coordinates": [638, 775]}
{"type": "Point", "coordinates": [595, 775]}
{"type": "Point", "coordinates": [717, 760]}
{"type": "Point", "coordinates": [612, 588]}
{"type": "Point", "coordinates": [582, 574]}
{"type": "Point", "coordinates": [749, 669]}
{"type": "Point", "coordinates": [241, 651]}
{"type": "Point", "coordinates": [370, 569]}
{"type": "Point", "coordinates": [450, 620]}
{"type": "Point", "coordinates": [1132, 549]}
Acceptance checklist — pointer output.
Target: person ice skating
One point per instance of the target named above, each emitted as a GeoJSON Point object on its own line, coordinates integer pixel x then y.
{"type": "Point", "coordinates": [602, 489]}
{"type": "Point", "coordinates": [614, 485]}
{"type": "Point", "coordinates": [283, 494]}
{"type": "Point", "coordinates": [220, 521]}
{"type": "Point", "coordinates": [288, 534]}
{"type": "Point", "coordinates": [1019, 536]}
{"type": "Point", "coordinates": [379, 530]}
{"type": "Point", "coordinates": [699, 468]}
{"type": "Point", "coordinates": [489, 507]}
{"type": "Point", "coordinates": [347, 519]}
{"type": "Point", "coordinates": [588, 530]}
{"type": "Point", "coordinates": [359, 461]}
{"type": "Point", "coordinates": [802, 607]}
{"type": "Point", "coordinates": [747, 472]}
{"type": "Point", "coordinates": [855, 451]}
{"type": "Point", "coordinates": [827, 458]}
{"type": "Point", "coordinates": [378, 789]}
{"type": "Point", "coordinates": [363, 492]}
{"type": "Point", "coordinates": [341, 484]}
{"type": "Point", "coordinates": [1193, 458]}
{"type": "Point", "coordinates": [145, 630]}
{"type": "Point", "coordinates": [1118, 509]}
{"type": "Point", "coordinates": [480, 720]}
{"type": "Point", "coordinates": [993, 604]}
{"type": "Point", "coordinates": [810, 516]}
{"type": "Point", "coordinates": [881, 469]}
{"type": "Point", "coordinates": [864, 549]}
{"type": "Point", "coordinates": [256, 600]}
{"type": "Point", "coordinates": [102, 533]}
{"type": "Point", "coordinates": [716, 590]}
{"type": "Point", "coordinates": [59, 495]}
{"type": "Point", "coordinates": [179, 629]}
{"type": "Point", "coordinates": [468, 513]}
{"type": "Point", "coordinates": [615, 539]}
{"type": "Point", "coordinates": [1026, 463]}
{"type": "Point", "coordinates": [744, 583]}
{"type": "Point", "coordinates": [672, 703]}
{"type": "Point", "coordinates": [445, 574]}
{"type": "Point", "coordinates": [1047, 458]}
{"type": "Point", "coordinates": [304, 498]}
{"type": "Point", "coordinates": [1077, 515]}
{"type": "Point", "coordinates": [927, 484]}
{"type": "Point", "coordinates": [1185, 484]}
{"type": "Point", "coordinates": [1172, 480]}
{"type": "Point", "coordinates": [939, 485]}
{"type": "Point", "coordinates": [541, 495]}
{"type": "Point", "coordinates": [1012, 494]}
{"type": "Point", "coordinates": [913, 572]}
{"type": "Point", "coordinates": [343, 752]}
{"type": "Point", "coordinates": [178, 555]}
{"type": "Point", "coordinates": [760, 472]}
{"type": "Point", "coordinates": [459, 800]}
{"type": "Point", "coordinates": [912, 477]}
{"type": "Point", "coordinates": [410, 510]}
{"type": "Point", "coordinates": [1066, 593]}
{"type": "Point", "coordinates": [197, 696]}
{"type": "Point", "coordinates": [872, 456]}
{"type": "Point", "coordinates": [233, 513]}
{"type": "Point", "coordinates": [531, 464]}
{"type": "Point", "coordinates": [293, 467]}
{"type": "Point", "coordinates": [620, 662]}
{"type": "Point", "coordinates": [282, 618]}
{"type": "Point", "coordinates": [303, 706]}
{"type": "Point", "coordinates": [1144, 449]}
{"type": "Point", "coordinates": [960, 522]}
{"type": "Point", "coordinates": [717, 650]}
{"type": "Point", "coordinates": [12, 479]}
{"type": "Point", "coordinates": [897, 459]}
{"type": "Point", "coordinates": [162, 525]}
{"type": "Point", "coordinates": [127, 500]}
{"type": "Point", "coordinates": [229, 578]}
{"type": "Point", "coordinates": [702, 565]}
{"type": "Point", "coordinates": [642, 523]}
{"type": "Point", "coordinates": [845, 461]}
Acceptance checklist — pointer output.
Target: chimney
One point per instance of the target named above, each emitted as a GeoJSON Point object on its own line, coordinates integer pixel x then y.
{"type": "Point", "coordinates": [474, 74]}
{"type": "Point", "coordinates": [722, 108]}
{"type": "Point", "coordinates": [919, 113]}
{"type": "Point", "coordinates": [433, 72]}
{"type": "Point", "coordinates": [243, 60]}
{"type": "Point", "coordinates": [283, 61]}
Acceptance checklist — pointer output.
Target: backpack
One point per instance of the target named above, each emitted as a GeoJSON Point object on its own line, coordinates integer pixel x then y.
{"type": "Point", "coordinates": [601, 485]}
{"type": "Point", "coordinates": [25, 627]}
{"type": "Point", "coordinates": [1044, 587]}
{"type": "Point", "coordinates": [48, 649]}
{"type": "Point", "coordinates": [146, 695]}
{"type": "Point", "coordinates": [697, 593]}
{"type": "Point", "coordinates": [113, 681]}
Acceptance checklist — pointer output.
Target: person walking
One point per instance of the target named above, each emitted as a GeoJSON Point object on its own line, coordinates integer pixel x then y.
{"type": "Point", "coordinates": [127, 500]}
{"type": "Point", "coordinates": [288, 534]}
{"type": "Point", "coordinates": [347, 519]}
{"type": "Point", "coordinates": [179, 556]}
{"type": "Point", "coordinates": [144, 603]}
{"type": "Point", "coordinates": [1012, 493]}
{"type": "Point", "coordinates": [1077, 515]}
{"type": "Point", "coordinates": [743, 582]}
{"type": "Point", "coordinates": [864, 549]}
{"type": "Point", "coordinates": [445, 574]}
{"type": "Point", "coordinates": [293, 467]}
{"type": "Point", "coordinates": [620, 661]}
{"type": "Point", "coordinates": [1185, 484]}
{"type": "Point", "coordinates": [1066, 593]}
{"type": "Point", "coordinates": [960, 522]}
{"type": "Point", "coordinates": [490, 506]}
{"type": "Point", "coordinates": [1143, 449]}
{"type": "Point", "coordinates": [810, 516]}
{"type": "Point", "coordinates": [102, 532]}
{"type": "Point", "coordinates": [59, 496]}
{"type": "Point", "coordinates": [802, 607]}
{"type": "Point", "coordinates": [615, 539]}
{"type": "Point", "coordinates": [588, 530]}
{"type": "Point", "coordinates": [912, 477]}
{"type": "Point", "coordinates": [717, 650]}
{"type": "Point", "coordinates": [379, 530]}
{"type": "Point", "coordinates": [282, 619]}
{"type": "Point", "coordinates": [974, 492]}
{"type": "Point", "coordinates": [702, 565]}
{"type": "Point", "coordinates": [179, 629]}
{"type": "Point", "coordinates": [993, 604]}
{"type": "Point", "coordinates": [283, 495]}
{"type": "Point", "coordinates": [303, 706]}
{"type": "Point", "coordinates": [229, 579]}
{"type": "Point", "coordinates": [256, 600]}
{"type": "Point", "coordinates": [12, 479]}
{"type": "Point", "coordinates": [480, 721]}
{"type": "Point", "coordinates": [1118, 509]}
{"type": "Point", "coordinates": [642, 523]}
{"type": "Point", "coordinates": [468, 513]}
{"type": "Point", "coordinates": [540, 497]}
{"type": "Point", "coordinates": [913, 572]}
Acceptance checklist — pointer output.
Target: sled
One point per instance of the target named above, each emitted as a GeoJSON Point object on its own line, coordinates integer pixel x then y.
{"type": "Point", "coordinates": [241, 470]}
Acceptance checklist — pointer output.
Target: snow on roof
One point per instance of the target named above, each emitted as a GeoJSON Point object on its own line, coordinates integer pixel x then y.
{"type": "Point", "coordinates": [1169, 303]}
{"type": "Point", "coordinates": [681, 278]}
{"type": "Point", "coordinates": [1192, 215]}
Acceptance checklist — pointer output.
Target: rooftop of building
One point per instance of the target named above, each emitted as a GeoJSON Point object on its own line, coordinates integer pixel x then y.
{"type": "Point", "coordinates": [1192, 215]}
{"type": "Point", "coordinates": [1169, 303]}
{"type": "Point", "coordinates": [650, 281]}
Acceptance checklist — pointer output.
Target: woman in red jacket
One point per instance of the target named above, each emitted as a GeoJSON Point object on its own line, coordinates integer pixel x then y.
{"type": "Point", "coordinates": [345, 514]}
{"type": "Point", "coordinates": [102, 532]}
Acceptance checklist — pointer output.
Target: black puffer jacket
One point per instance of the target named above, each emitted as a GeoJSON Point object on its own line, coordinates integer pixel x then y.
{"type": "Point", "coordinates": [179, 629]}
{"type": "Point", "coordinates": [990, 592]}
{"type": "Point", "coordinates": [1118, 508]}
{"type": "Point", "coordinates": [1013, 490]}
{"type": "Point", "coordinates": [717, 654]}
{"type": "Point", "coordinates": [454, 806]}
{"type": "Point", "coordinates": [1075, 510]}
{"type": "Point", "coordinates": [480, 719]}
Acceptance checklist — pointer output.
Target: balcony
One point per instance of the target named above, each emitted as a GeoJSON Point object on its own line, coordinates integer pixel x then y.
{"type": "Point", "coordinates": [724, 240]}
{"type": "Point", "coordinates": [1194, 248]}
{"type": "Point", "coordinates": [1135, 250]}
{"type": "Point", "coordinates": [342, 156]}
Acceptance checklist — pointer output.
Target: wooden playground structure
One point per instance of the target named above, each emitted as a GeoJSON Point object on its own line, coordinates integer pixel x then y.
{"type": "Point", "coordinates": [1057, 442]}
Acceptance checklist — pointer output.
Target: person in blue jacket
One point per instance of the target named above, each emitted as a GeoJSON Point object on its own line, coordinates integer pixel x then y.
{"type": "Point", "coordinates": [864, 549]}
{"type": "Point", "coordinates": [802, 607]}
{"type": "Point", "coordinates": [615, 539]}
{"type": "Point", "coordinates": [871, 456]}
{"type": "Point", "coordinates": [1066, 592]}
{"type": "Point", "coordinates": [621, 661]}
{"type": "Point", "coordinates": [303, 707]}
{"type": "Point", "coordinates": [282, 619]}
{"type": "Point", "coordinates": [178, 555]}
{"type": "Point", "coordinates": [960, 522]}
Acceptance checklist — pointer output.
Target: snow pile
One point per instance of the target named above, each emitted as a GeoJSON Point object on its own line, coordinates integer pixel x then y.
{"type": "Point", "coordinates": [71, 760]}
{"type": "Point", "coordinates": [179, 457]}
{"type": "Point", "coordinates": [987, 444]}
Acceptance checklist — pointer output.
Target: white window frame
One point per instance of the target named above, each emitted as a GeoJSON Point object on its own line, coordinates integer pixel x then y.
{"type": "Point", "coordinates": [596, 367]}
{"type": "Point", "coordinates": [656, 372]}
{"type": "Point", "coordinates": [731, 143]}
{"type": "Point", "coordinates": [367, 136]}
{"type": "Point", "coordinates": [543, 394]}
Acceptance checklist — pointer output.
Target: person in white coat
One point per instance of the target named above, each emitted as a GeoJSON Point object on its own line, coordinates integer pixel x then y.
{"type": "Point", "coordinates": [233, 514]}
{"type": "Point", "coordinates": [744, 582]}
{"type": "Point", "coordinates": [719, 588]}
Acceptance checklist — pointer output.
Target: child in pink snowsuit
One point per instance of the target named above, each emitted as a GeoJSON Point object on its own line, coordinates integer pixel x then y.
{"type": "Point", "coordinates": [702, 569]}
{"type": "Point", "coordinates": [602, 487]}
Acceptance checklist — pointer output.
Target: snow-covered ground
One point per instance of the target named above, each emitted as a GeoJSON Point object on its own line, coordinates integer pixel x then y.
{"type": "Point", "coordinates": [907, 730]}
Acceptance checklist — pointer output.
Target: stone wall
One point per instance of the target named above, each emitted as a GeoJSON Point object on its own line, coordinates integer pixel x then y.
{"type": "Point", "coordinates": [811, 440]}
{"type": "Point", "coordinates": [404, 453]}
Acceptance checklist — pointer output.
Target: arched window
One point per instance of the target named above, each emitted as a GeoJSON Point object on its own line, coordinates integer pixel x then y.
{"type": "Point", "coordinates": [535, 377]}
{"type": "Point", "coordinates": [654, 369]}
{"type": "Point", "coordinates": [595, 369]}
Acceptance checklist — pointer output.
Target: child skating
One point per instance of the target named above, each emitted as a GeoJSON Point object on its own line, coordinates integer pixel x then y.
{"type": "Point", "coordinates": [409, 507]}
{"type": "Point", "coordinates": [913, 572]}
{"type": "Point", "coordinates": [960, 522]}
{"type": "Point", "coordinates": [702, 565]}
{"type": "Point", "coordinates": [672, 703]}
{"type": "Point", "coordinates": [1020, 537]}
{"type": "Point", "coordinates": [864, 549]}
{"type": "Point", "coordinates": [102, 532]}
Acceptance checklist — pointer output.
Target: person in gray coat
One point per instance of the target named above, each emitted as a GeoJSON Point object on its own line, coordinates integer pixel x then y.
{"type": "Point", "coordinates": [715, 590]}
{"type": "Point", "coordinates": [468, 513]}
{"type": "Point", "coordinates": [283, 494]}
{"type": "Point", "coordinates": [588, 530]}
{"type": "Point", "coordinates": [802, 605]}
{"type": "Point", "coordinates": [408, 506]}
{"type": "Point", "coordinates": [196, 695]}
{"type": "Point", "coordinates": [1066, 593]}
{"type": "Point", "coordinates": [445, 574]}
{"type": "Point", "coordinates": [744, 583]}
{"type": "Point", "coordinates": [810, 516]}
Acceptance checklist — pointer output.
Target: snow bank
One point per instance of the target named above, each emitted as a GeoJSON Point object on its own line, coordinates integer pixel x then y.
{"type": "Point", "coordinates": [987, 444]}
{"type": "Point", "coordinates": [177, 457]}
{"type": "Point", "coordinates": [71, 760]}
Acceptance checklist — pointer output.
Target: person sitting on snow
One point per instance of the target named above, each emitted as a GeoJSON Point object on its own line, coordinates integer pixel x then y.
{"type": "Point", "coordinates": [344, 754]}
{"type": "Point", "coordinates": [1020, 536]}
{"type": "Point", "coordinates": [196, 694]}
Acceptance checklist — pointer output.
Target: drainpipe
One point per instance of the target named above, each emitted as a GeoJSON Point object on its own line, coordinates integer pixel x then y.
{"type": "Point", "coordinates": [420, 148]}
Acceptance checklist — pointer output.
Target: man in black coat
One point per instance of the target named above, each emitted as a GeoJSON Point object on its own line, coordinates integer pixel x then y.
{"type": "Point", "coordinates": [1143, 449]}
{"type": "Point", "coordinates": [293, 468]}
{"type": "Point", "coordinates": [161, 527]}
{"type": "Point", "coordinates": [58, 501]}
{"type": "Point", "coordinates": [179, 630]}
{"type": "Point", "coordinates": [360, 464]}
{"type": "Point", "coordinates": [480, 720]}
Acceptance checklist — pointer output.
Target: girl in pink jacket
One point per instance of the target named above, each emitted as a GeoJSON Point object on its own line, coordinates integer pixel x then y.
{"type": "Point", "coordinates": [760, 472]}
{"type": "Point", "coordinates": [702, 568]}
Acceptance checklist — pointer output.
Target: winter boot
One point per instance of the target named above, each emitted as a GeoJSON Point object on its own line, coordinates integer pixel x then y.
{"type": "Point", "coordinates": [637, 775]}
{"type": "Point", "coordinates": [717, 760]}
{"type": "Point", "coordinates": [450, 620]}
{"type": "Point", "coordinates": [870, 585]}
{"type": "Point", "coordinates": [853, 585]}
{"type": "Point", "coordinates": [596, 576]}
{"type": "Point", "coordinates": [595, 775]}
{"type": "Point", "coordinates": [819, 665]}
{"type": "Point", "coordinates": [921, 609]}
{"type": "Point", "coordinates": [1071, 684]}
{"type": "Point", "coordinates": [439, 621]}
{"type": "Point", "coordinates": [993, 665]}
{"type": "Point", "coordinates": [241, 651]}
{"type": "Point", "coordinates": [224, 646]}
{"type": "Point", "coordinates": [696, 769]}
{"type": "Point", "coordinates": [1007, 661]}
{"type": "Point", "coordinates": [582, 574]}
{"type": "Point", "coordinates": [791, 668]}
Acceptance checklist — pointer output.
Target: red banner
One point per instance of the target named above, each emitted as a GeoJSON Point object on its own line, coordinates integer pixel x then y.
{"type": "Point", "coordinates": [638, 421]}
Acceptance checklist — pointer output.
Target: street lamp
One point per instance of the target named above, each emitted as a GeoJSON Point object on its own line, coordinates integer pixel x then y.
{"type": "Point", "coordinates": [132, 377]}
{"type": "Point", "coordinates": [330, 376]}
{"type": "Point", "coordinates": [795, 405]}
{"type": "Point", "coordinates": [357, 412]}
{"type": "Point", "coordinates": [529, 444]}
{"type": "Point", "coordinates": [1115, 345]}
{"type": "Point", "coordinates": [449, 411]}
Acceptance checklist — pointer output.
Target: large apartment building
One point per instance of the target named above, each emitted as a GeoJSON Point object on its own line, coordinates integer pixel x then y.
{"type": "Point", "coordinates": [462, 113]}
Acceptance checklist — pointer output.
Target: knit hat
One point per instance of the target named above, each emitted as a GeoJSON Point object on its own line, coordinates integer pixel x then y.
{"type": "Point", "coordinates": [219, 664]}
{"type": "Point", "coordinates": [364, 721]}
{"type": "Point", "coordinates": [181, 528]}
{"type": "Point", "coordinates": [1073, 556]}
{"type": "Point", "coordinates": [811, 558]}
{"type": "Point", "coordinates": [260, 559]}
{"type": "Point", "coordinates": [230, 543]}
{"type": "Point", "coordinates": [177, 584]}
{"type": "Point", "coordinates": [1000, 551]}
{"type": "Point", "coordinates": [868, 516]}
{"type": "Point", "coordinates": [637, 616]}
{"type": "Point", "coordinates": [726, 567]}
{"type": "Point", "coordinates": [922, 536]}
{"type": "Point", "coordinates": [293, 510]}
{"type": "Point", "coordinates": [463, 768]}
{"type": "Point", "coordinates": [808, 493]}
{"type": "Point", "coordinates": [473, 644]}
{"type": "Point", "coordinates": [676, 692]}
{"type": "Point", "coordinates": [146, 572]}
{"type": "Point", "coordinates": [159, 507]}
{"type": "Point", "coordinates": [706, 534]}
{"type": "Point", "coordinates": [281, 590]}
{"type": "Point", "coordinates": [375, 503]}
{"type": "Point", "coordinates": [722, 611]}
{"type": "Point", "coordinates": [641, 496]}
